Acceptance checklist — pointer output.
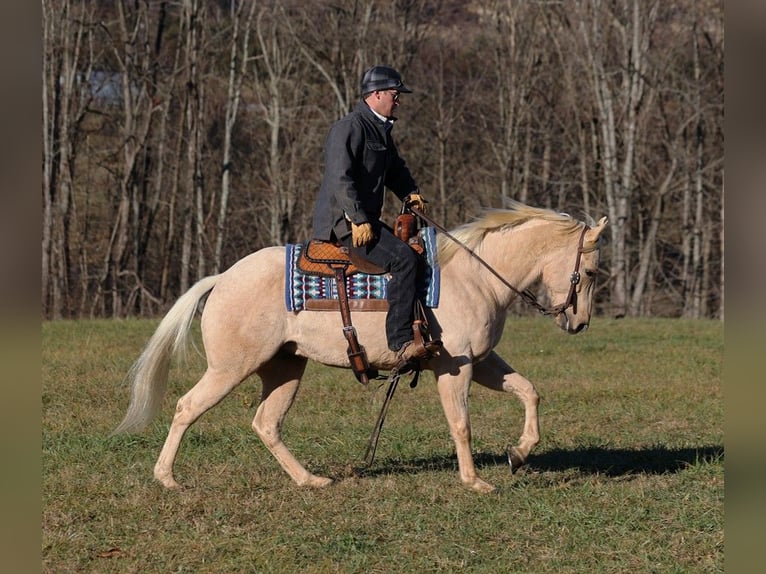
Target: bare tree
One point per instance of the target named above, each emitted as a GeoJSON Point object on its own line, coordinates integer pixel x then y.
{"type": "Point", "coordinates": [152, 181]}
{"type": "Point", "coordinates": [193, 181]}
{"type": "Point", "coordinates": [648, 243]}
{"type": "Point", "coordinates": [583, 106]}
{"type": "Point", "coordinates": [578, 128]}
{"type": "Point", "coordinates": [67, 66]}
{"type": "Point", "coordinates": [276, 63]}
{"type": "Point", "coordinates": [335, 41]}
{"type": "Point", "coordinates": [238, 65]}
{"type": "Point", "coordinates": [618, 88]}
{"type": "Point", "coordinates": [58, 72]}
{"type": "Point", "coordinates": [132, 53]}
{"type": "Point", "coordinates": [722, 251]}
{"type": "Point", "coordinates": [444, 131]}
{"type": "Point", "coordinates": [508, 77]}
{"type": "Point", "coordinates": [694, 216]}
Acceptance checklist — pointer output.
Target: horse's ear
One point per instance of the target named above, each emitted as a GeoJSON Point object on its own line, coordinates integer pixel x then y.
{"type": "Point", "coordinates": [596, 232]}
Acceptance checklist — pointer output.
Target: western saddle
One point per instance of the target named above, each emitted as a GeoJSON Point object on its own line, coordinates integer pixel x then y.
{"type": "Point", "coordinates": [329, 259]}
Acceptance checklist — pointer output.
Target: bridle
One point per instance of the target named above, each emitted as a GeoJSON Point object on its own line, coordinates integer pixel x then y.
{"type": "Point", "coordinates": [526, 294]}
{"type": "Point", "coordinates": [574, 278]}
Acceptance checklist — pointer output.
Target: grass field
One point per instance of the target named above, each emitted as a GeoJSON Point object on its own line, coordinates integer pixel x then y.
{"type": "Point", "coordinates": [628, 477]}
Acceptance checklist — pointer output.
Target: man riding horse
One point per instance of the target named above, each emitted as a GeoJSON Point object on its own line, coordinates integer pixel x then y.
{"type": "Point", "coordinates": [360, 161]}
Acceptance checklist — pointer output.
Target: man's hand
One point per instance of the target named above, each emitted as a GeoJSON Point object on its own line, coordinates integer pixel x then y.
{"type": "Point", "coordinates": [361, 234]}
{"type": "Point", "coordinates": [416, 200]}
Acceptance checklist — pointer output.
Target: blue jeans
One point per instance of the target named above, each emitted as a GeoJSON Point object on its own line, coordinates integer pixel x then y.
{"type": "Point", "coordinates": [401, 261]}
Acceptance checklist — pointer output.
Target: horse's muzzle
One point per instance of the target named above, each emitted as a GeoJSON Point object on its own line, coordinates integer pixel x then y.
{"type": "Point", "coordinates": [566, 324]}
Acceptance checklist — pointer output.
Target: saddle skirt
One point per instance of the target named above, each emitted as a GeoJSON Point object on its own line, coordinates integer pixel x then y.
{"type": "Point", "coordinates": [304, 291]}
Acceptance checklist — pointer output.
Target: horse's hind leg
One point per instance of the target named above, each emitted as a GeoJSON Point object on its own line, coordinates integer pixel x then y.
{"type": "Point", "coordinates": [281, 377]}
{"type": "Point", "coordinates": [496, 374]}
{"type": "Point", "coordinates": [208, 392]}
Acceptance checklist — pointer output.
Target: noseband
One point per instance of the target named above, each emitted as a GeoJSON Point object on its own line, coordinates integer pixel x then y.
{"type": "Point", "coordinates": [527, 295]}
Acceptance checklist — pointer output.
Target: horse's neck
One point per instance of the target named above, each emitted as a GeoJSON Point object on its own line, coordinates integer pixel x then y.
{"type": "Point", "coordinates": [513, 254]}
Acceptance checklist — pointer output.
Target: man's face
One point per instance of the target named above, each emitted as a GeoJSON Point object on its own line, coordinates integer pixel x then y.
{"type": "Point", "coordinates": [384, 102]}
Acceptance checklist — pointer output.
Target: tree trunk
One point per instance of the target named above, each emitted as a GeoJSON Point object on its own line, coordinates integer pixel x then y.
{"type": "Point", "coordinates": [627, 96]}
{"type": "Point", "coordinates": [238, 60]}
{"type": "Point", "coordinates": [693, 302]}
{"type": "Point", "coordinates": [65, 32]}
{"type": "Point", "coordinates": [192, 185]}
{"type": "Point", "coordinates": [51, 133]}
{"type": "Point", "coordinates": [276, 62]}
{"type": "Point", "coordinates": [722, 252]}
{"type": "Point", "coordinates": [650, 242]}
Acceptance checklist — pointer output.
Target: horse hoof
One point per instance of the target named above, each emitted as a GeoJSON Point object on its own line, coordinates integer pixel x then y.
{"type": "Point", "coordinates": [169, 483]}
{"type": "Point", "coordinates": [515, 460]}
{"type": "Point", "coordinates": [481, 486]}
{"type": "Point", "coordinates": [317, 481]}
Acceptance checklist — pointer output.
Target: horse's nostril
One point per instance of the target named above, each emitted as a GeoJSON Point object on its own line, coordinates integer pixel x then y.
{"type": "Point", "coordinates": [581, 327]}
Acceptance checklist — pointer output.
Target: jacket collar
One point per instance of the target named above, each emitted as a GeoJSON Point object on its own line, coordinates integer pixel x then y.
{"type": "Point", "coordinates": [377, 118]}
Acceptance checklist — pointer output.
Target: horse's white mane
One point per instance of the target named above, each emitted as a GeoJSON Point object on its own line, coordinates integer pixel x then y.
{"type": "Point", "coordinates": [471, 234]}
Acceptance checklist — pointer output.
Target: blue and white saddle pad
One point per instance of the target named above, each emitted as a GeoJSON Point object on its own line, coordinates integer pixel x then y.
{"type": "Point", "coordinates": [300, 287]}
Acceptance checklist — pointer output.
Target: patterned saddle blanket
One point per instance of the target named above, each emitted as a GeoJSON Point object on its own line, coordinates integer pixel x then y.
{"type": "Point", "coordinates": [308, 292]}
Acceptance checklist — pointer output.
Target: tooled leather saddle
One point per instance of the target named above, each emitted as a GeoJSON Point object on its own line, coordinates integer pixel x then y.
{"type": "Point", "coordinates": [328, 259]}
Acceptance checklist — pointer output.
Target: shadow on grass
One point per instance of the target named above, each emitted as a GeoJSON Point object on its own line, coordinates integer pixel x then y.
{"type": "Point", "coordinates": [621, 461]}
{"type": "Point", "coordinates": [588, 460]}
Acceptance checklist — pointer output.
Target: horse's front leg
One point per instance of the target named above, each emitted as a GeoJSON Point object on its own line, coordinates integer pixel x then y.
{"type": "Point", "coordinates": [494, 373]}
{"type": "Point", "coordinates": [453, 391]}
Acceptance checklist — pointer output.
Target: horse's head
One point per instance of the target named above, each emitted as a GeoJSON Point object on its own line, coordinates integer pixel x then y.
{"type": "Point", "coordinates": [570, 278]}
{"type": "Point", "coordinates": [554, 248]}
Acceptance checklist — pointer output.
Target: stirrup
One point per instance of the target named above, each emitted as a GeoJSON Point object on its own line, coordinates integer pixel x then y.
{"type": "Point", "coordinates": [417, 351]}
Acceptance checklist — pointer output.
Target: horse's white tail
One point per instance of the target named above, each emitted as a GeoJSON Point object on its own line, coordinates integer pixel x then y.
{"type": "Point", "coordinates": [149, 373]}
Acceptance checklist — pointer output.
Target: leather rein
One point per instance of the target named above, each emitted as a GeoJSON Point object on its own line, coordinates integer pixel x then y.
{"type": "Point", "coordinates": [526, 294]}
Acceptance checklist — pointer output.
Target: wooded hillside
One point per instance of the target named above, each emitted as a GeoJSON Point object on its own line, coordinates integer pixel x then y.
{"type": "Point", "coordinates": [180, 136]}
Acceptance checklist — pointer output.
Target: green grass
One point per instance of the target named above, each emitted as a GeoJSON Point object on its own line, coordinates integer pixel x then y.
{"type": "Point", "coordinates": [629, 475]}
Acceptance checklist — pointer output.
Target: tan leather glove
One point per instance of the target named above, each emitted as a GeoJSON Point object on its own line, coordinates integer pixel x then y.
{"type": "Point", "coordinates": [416, 200]}
{"type": "Point", "coordinates": [361, 234]}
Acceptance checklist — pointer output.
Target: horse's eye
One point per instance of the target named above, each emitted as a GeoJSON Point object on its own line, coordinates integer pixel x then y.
{"type": "Point", "coordinates": [591, 273]}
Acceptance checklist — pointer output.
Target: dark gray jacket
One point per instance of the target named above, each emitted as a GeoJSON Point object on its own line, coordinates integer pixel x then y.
{"type": "Point", "coordinates": [360, 160]}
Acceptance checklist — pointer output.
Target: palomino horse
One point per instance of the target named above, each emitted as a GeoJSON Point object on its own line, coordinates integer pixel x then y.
{"type": "Point", "coordinates": [246, 329]}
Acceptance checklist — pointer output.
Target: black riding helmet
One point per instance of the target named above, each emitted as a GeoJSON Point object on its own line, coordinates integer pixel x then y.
{"type": "Point", "coordinates": [382, 78]}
